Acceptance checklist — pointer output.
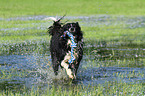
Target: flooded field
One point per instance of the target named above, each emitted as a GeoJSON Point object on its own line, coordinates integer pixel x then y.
{"type": "Point", "coordinates": [120, 59]}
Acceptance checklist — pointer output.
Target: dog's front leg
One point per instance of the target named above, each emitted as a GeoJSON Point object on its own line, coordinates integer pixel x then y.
{"type": "Point", "coordinates": [65, 65]}
{"type": "Point", "coordinates": [68, 70]}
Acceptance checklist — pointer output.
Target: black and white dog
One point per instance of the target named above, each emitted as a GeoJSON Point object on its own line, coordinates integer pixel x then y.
{"type": "Point", "coordinates": [61, 46]}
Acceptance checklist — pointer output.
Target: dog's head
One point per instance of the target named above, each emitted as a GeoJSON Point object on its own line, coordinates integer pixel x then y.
{"type": "Point", "coordinates": [73, 28]}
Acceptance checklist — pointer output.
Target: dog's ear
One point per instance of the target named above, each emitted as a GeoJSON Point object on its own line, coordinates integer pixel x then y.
{"type": "Point", "coordinates": [78, 27]}
{"type": "Point", "coordinates": [77, 23]}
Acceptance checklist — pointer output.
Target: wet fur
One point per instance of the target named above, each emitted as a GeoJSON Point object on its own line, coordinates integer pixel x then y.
{"type": "Point", "coordinates": [60, 47]}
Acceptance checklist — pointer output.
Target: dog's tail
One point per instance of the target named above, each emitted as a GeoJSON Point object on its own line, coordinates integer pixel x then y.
{"type": "Point", "coordinates": [56, 25]}
{"type": "Point", "coordinates": [51, 18]}
{"type": "Point", "coordinates": [55, 19]}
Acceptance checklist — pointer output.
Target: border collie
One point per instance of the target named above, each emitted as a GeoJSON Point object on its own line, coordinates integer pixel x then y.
{"type": "Point", "coordinates": [61, 47]}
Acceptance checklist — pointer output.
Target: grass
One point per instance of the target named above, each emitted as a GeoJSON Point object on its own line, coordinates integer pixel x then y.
{"type": "Point", "coordinates": [19, 31]}
{"type": "Point", "coordinates": [15, 8]}
{"type": "Point", "coordinates": [109, 88]}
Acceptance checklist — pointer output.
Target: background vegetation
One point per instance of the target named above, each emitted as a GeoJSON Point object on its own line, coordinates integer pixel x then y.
{"type": "Point", "coordinates": [13, 8]}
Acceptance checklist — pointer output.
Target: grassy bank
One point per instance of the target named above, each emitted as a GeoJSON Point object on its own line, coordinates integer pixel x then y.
{"type": "Point", "coordinates": [13, 8]}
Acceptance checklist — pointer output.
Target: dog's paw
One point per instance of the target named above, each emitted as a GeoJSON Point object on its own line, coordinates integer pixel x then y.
{"type": "Point", "coordinates": [70, 74]}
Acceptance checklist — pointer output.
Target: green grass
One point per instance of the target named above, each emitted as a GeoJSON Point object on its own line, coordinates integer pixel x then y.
{"type": "Point", "coordinates": [109, 89]}
{"type": "Point", "coordinates": [28, 30]}
{"type": "Point", "coordinates": [13, 8]}
{"type": "Point", "coordinates": [115, 32]}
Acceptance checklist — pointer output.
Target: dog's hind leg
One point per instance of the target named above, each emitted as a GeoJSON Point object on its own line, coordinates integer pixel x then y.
{"type": "Point", "coordinates": [55, 65]}
{"type": "Point", "coordinates": [55, 68]}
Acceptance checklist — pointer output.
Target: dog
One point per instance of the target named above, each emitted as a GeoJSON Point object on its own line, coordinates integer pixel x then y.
{"type": "Point", "coordinates": [61, 46]}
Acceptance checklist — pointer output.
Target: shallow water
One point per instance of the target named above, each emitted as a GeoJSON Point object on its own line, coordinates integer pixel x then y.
{"type": "Point", "coordinates": [28, 64]}
{"type": "Point", "coordinates": [34, 69]}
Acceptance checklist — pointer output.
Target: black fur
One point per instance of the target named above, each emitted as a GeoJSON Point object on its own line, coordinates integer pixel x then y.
{"type": "Point", "coordinates": [59, 47]}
